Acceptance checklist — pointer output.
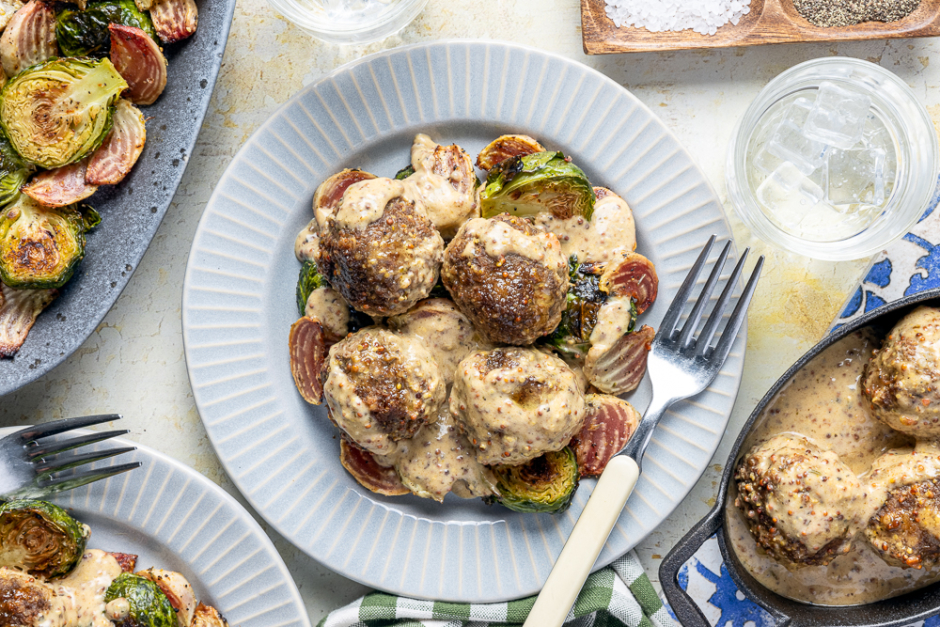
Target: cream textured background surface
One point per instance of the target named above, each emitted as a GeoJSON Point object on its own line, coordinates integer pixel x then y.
{"type": "Point", "coordinates": [133, 363]}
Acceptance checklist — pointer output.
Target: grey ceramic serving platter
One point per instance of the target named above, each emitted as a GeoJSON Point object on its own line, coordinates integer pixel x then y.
{"type": "Point", "coordinates": [131, 211]}
{"type": "Point", "coordinates": [172, 517]}
{"type": "Point", "coordinates": [239, 304]}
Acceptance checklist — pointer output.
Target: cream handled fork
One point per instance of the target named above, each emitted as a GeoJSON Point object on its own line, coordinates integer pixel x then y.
{"type": "Point", "coordinates": [680, 365]}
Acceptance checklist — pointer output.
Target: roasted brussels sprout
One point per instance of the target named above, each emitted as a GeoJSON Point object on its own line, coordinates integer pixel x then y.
{"type": "Point", "coordinates": [542, 181]}
{"type": "Point", "coordinates": [544, 485]}
{"type": "Point", "coordinates": [40, 246]}
{"type": "Point", "coordinates": [85, 33]}
{"type": "Point", "coordinates": [147, 605]}
{"type": "Point", "coordinates": [310, 279]}
{"type": "Point", "coordinates": [405, 172]}
{"type": "Point", "coordinates": [40, 538]}
{"type": "Point", "coordinates": [57, 112]}
{"type": "Point", "coordinates": [13, 172]}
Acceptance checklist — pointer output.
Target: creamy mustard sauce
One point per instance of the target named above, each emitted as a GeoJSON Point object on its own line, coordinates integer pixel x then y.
{"type": "Point", "coordinates": [364, 202]}
{"type": "Point", "coordinates": [823, 402]}
{"type": "Point", "coordinates": [79, 600]}
{"type": "Point", "coordinates": [499, 239]}
{"type": "Point", "coordinates": [610, 230]}
{"type": "Point", "coordinates": [449, 200]}
{"type": "Point", "coordinates": [307, 244]}
{"type": "Point", "coordinates": [330, 309]}
{"type": "Point", "coordinates": [613, 321]}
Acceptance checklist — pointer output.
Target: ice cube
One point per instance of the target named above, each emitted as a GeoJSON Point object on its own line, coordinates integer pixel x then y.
{"type": "Point", "coordinates": [876, 136]}
{"type": "Point", "coordinates": [789, 143]}
{"type": "Point", "coordinates": [796, 112]}
{"type": "Point", "coordinates": [788, 193]}
{"type": "Point", "coordinates": [799, 110]}
{"type": "Point", "coordinates": [838, 116]}
{"type": "Point", "coordinates": [856, 176]}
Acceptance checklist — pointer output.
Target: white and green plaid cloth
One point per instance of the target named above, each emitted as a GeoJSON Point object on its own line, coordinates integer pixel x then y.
{"type": "Point", "coordinates": [620, 595]}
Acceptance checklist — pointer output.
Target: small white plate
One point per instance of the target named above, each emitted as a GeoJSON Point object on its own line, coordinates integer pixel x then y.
{"type": "Point", "coordinates": [172, 517]}
{"type": "Point", "coordinates": [239, 304]}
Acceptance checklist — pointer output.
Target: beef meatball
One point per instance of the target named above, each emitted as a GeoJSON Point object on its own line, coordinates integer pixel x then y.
{"type": "Point", "coordinates": [901, 380]}
{"type": "Point", "coordinates": [515, 404]}
{"type": "Point", "coordinates": [800, 502]}
{"type": "Point", "coordinates": [23, 598]}
{"type": "Point", "coordinates": [508, 276]}
{"type": "Point", "coordinates": [380, 250]}
{"type": "Point", "coordinates": [382, 387]}
{"type": "Point", "coordinates": [905, 528]}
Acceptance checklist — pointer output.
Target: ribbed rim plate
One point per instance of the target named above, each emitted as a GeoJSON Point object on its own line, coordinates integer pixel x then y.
{"type": "Point", "coordinates": [172, 517]}
{"type": "Point", "coordinates": [238, 306]}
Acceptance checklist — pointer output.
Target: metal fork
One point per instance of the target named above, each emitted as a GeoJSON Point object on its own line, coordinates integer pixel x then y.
{"type": "Point", "coordinates": [680, 365]}
{"type": "Point", "coordinates": [31, 469]}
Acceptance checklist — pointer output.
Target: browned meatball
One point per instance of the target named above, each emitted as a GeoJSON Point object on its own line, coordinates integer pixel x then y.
{"type": "Point", "coordinates": [508, 276]}
{"type": "Point", "coordinates": [379, 250]}
{"type": "Point", "coordinates": [799, 501]}
{"type": "Point", "coordinates": [902, 380]}
{"type": "Point", "coordinates": [382, 387]}
{"type": "Point", "coordinates": [23, 598]}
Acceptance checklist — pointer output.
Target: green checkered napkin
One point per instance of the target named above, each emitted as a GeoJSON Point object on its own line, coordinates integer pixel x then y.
{"type": "Point", "coordinates": [620, 595]}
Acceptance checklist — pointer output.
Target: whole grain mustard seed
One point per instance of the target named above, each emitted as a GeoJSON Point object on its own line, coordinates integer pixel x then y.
{"type": "Point", "coordinates": [834, 13]}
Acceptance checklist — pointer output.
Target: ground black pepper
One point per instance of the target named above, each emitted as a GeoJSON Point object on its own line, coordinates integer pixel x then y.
{"type": "Point", "coordinates": [830, 13]}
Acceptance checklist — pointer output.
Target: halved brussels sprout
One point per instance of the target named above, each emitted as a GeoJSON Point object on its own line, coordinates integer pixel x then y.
{"type": "Point", "coordinates": [13, 172]}
{"type": "Point", "coordinates": [57, 112]}
{"type": "Point", "coordinates": [40, 246]}
{"type": "Point", "coordinates": [542, 181]}
{"type": "Point", "coordinates": [147, 606]}
{"type": "Point", "coordinates": [545, 484]}
{"type": "Point", "coordinates": [85, 33]}
{"type": "Point", "coordinates": [40, 538]}
{"type": "Point", "coordinates": [310, 280]}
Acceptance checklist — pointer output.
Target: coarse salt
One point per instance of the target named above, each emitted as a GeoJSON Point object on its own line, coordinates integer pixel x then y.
{"type": "Point", "coordinates": [702, 16]}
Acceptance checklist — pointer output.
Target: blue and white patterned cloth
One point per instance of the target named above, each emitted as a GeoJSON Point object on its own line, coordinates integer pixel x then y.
{"type": "Point", "coordinates": [909, 266]}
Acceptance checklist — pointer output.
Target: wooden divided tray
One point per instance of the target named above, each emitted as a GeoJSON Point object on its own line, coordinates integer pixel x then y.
{"type": "Point", "coordinates": [769, 22]}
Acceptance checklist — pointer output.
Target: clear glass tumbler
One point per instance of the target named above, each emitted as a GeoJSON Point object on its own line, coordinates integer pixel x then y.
{"type": "Point", "coordinates": [350, 21]}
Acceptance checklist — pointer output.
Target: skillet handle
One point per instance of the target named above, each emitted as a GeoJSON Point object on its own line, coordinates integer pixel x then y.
{"type": "Point", "coordinates": [684, 607]}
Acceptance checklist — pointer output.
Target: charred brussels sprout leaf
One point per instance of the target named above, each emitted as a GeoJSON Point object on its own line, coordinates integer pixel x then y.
{"type": "Point", "coordinates": [544, 485]}
{"type": "Point", "coordinates": [13, 172]}
{"type": "Point", "coordinates": [40, 538]}
{"type": "Point", "coordinates": [90, 217]}
{"type": "Point", "coordinates": [149, 606]}
{"type": "Point", "coordinates": [40, 246]}
{"type": "Point", "coordinates": [85, 33]}
{"type": "Point", "coordinates": [404, 173]}
{"type": "Point", "coordinates": [310, 280]}
{"type": "Point", "coordinates": [572, 336]}
{"type": "Point", "coordinates": [56, 112]}
{"type": "Point", "coordinates": [543, 181]}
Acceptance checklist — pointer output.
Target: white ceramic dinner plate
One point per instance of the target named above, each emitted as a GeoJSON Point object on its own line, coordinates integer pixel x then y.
{"type": "Point", "coordinates": [239, 304]}
{"type": "Point", "coordinates": [172, 517]}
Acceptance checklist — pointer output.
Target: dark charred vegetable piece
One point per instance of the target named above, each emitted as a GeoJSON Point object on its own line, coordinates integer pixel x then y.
{"type": "Point", "coordinates": [620, 369]}
{"type": "Point", "coordinates": [149, 607]}
{"type": "Point", "coordinates": [140, 62]}
{"type": "Point", "coordinates": [207, 616]}
{"type": "Point", "coordinates": [62, 186]}
{"type": "Point", "coordinates": [29, 38]}
{"type": "Point", "coordinates": [18, 312]}
{"type": "Point", "coordinates": [505, 147]}
{"type": "Point", "coordinates": [310, 280]}
{"type": "Point", "coordinates": [115, 158]}
{"type": "Point", "coordinates": [608, 424]}
{"type": "Point", "coordinates": [85, 33]}
{"type": "Point", "coordinates": [308, 353]}
{"type": "Point", "coordinates": [40, 538]}
{"type": "Point", "coordinates": [545, 484]}
{"type": "Point", "coordinates": [13, 172]}
{"type": "Point", "coordinates": [542, 181]}
{"type": "Point", "coordinates": [634, 276]}
{"type": "Point", "coordinates": [57, 112]}
{"type": "Point", "coordinates": [572, 336]}
{"type": "Point", "coordinates": [126, 561]}
{"type": "Point", "coordinates": [40, 246]}
{"type": "Point", "coordinates": [405, 172]}
{"type": "Point", "coordinates": [361, 464]}
{"type": "Point", "coordinates": [174, 20]}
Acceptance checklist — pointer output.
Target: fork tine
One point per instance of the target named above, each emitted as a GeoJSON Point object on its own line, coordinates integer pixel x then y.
{"type": "Point", "coordinates": [77, 480]}
{"type": "Point", "coordinates": [691, 324]}
{"type": "Point", "coordinates": [711, 325]}
{"type": "Point", "coordinates": [54, 448]}
{"type": "Point", "coordinates": [60, 426]}
{"type": "Point", "coordinates": [58, 465]}
{"type": "Point", "coordinates": [668, 325]}
{"type": "Point", "coordinates": [739, 315]}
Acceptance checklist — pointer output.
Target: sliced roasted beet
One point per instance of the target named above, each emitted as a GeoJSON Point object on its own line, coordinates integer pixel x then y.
{"type": "Point", "coordinates": [18, 311]}
{"type": "Point", "coordinates": [60, 187]}
{"type": "Point", "coordinates": [620, 369]}
{"type": "Point", "coordinates": [330, 192]}
{"type": "Point", "coordinates": [633, 275]}
{"type": "Point", "coordinates": [308, 352]}
{"type": "Point", "coordinates": [608, 424]}
{"type": "Point", "coordinates": [126, 561]}
{"type": "Point", "coordinates": [117, 155]}
{"type": "Point", "coordinates": [362, 466]}
{"type": "Point", "coordinates": [29, 38]}
{"type": "Point", "coordinates": [140, 62]}
{"type": "Point", "coordinates": [507, 146]}
{"type": "Point", "coordinates": [174, 20]}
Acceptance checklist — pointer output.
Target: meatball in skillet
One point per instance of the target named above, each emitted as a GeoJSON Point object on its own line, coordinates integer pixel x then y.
{"type": "Point", "coordinates": [382, 387]}
{"type": "Point", "coordinates": [901, 380]}
{"type": "Point", "coordinates": [508, 276]}
{"type": "Point", "coordinates": [799, 501]}
{"type": "Point", "coordinates": [380, 250]}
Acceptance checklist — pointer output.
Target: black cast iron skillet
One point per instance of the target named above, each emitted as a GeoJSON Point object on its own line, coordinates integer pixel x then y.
{"type": "Point", "coordinates": [894, 612]}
